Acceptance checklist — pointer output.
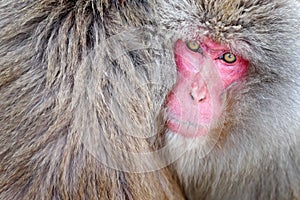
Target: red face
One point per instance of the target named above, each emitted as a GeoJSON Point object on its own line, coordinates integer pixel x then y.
{"type": "Point", "coordinates": [205, 70]}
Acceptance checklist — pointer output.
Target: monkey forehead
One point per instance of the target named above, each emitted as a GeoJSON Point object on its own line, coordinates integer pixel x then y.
{"type": "Point", "coordinates": [226, 20]}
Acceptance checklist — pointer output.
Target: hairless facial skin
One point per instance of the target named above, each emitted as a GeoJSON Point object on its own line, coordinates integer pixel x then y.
{"type": "Point", "coordinates": [205, 70]}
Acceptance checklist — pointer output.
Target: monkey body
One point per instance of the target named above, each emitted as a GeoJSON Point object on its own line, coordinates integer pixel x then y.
{"type": "Point", "coordinates": [74, 89]}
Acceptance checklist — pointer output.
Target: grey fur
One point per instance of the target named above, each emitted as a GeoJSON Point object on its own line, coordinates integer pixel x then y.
{"type": "Point", "coordinates": [69, 88]}
{"type": "Point", "coordinates": [74, 89]}
{"type": "Point", "coordinates": [255, 152]}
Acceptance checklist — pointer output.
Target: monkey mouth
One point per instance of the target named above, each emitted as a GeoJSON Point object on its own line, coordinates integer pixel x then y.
{"type": "Point", "coordinates": [186, 128]}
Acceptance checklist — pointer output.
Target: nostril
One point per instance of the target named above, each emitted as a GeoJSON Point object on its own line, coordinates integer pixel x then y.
{"type": "Point", "coordinates": [198, 94]}
{"type": "Point", "coordinates": [195, 98]}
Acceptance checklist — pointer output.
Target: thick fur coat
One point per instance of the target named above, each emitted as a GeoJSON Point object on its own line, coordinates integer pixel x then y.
{"type": "Point", "coordinates": [77, 85]}
{"type": "Point", "coordinates": [82, 83]}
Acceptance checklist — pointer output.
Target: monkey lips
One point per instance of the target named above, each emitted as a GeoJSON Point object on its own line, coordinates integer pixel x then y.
{"type": "Point", "coordinates": [195, 103]}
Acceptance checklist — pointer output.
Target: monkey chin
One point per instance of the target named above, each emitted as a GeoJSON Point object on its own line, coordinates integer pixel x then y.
{"type": "Point", "coordinates": [187, 152]}
{"type": "Point", "coordinates": [196, 138]}
{"type": "Point", "coordinates": [194, 126]}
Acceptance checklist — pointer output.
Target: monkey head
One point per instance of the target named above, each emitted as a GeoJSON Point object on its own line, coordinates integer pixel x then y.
{"type": "Point", "coordinates": [205, 70]}
{"type": "Point", "coordinates": [228, 62]}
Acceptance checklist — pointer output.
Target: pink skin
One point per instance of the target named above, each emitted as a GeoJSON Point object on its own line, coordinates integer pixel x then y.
{"type": "Point", "coordinates": [195, 102]}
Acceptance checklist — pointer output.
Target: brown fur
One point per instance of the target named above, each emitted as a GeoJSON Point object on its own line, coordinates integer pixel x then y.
{"type": "Point", "coordinates": [71, 96]}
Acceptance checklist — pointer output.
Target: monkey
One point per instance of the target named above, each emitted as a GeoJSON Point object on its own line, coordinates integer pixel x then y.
{"type": "Point", "coordinates": [81, 83]}
{"type": "Point", "coordinates": [77, 83]}
{"type": "Point", "coordinates": [233, 115]}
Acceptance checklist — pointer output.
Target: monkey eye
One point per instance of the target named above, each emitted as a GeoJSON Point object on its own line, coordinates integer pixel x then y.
{"type": "Point", "coordinates": [193, 46]}
{"type": "Point", "coordinates": [228, 57]}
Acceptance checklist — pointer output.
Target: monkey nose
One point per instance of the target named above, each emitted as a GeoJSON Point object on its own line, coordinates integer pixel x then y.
{"type": "Point", "coordinates": [199, 91]}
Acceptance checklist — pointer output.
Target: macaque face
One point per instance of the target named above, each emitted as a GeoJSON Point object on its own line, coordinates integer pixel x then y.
{"type": "Point", "coordinates": [205, 70]}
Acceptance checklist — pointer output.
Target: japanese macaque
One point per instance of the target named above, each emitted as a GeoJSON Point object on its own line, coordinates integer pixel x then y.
{"type": "Point", "coordinates": [80, 86]}
{"type": "Point", "coordinates": [233, 116]}
{"type": "Point", "coordinates": [86, 85]}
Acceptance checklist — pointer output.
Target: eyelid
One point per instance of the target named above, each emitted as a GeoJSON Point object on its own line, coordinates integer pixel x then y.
{"type": "Point", "coordinates": [216, 54]}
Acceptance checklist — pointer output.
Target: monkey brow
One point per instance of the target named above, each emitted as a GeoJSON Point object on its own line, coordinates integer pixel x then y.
{"type": "Point", "coordinates": [215, 52]}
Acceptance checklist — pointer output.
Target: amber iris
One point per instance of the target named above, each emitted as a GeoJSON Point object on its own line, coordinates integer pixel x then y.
{"type": "Point", "coordinates": [228, 57]}
{"type": "Point", "coordinates": [193, 46]}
